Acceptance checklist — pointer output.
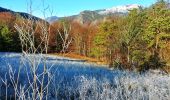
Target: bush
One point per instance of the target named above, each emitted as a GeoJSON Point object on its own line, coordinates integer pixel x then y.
{"type": "Point", "coordinates": [154, 62]}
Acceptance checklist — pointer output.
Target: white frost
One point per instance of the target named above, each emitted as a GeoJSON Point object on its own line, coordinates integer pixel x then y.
{"type": "Point", "coordinates": [121, 9]}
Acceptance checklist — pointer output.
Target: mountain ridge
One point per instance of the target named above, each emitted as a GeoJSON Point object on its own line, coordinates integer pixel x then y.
{"type": "Point", "coordinates": [83, 16]}
{"type": "Point", "coordinates": [89, 16]}
{"type": "Point", "coordinates": [22, 14]}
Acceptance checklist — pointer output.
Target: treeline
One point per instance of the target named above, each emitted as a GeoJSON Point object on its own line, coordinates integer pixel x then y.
{"type": "Point", "coordinates": [82, 36]}
{"type": "Point", "coordinates": [9, 38]}
{"type": "Point", "coordinates": [139, 40]}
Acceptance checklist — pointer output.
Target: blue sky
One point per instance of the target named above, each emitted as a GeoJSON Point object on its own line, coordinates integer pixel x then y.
{"type": "Point", "coordinates": [67, 7]}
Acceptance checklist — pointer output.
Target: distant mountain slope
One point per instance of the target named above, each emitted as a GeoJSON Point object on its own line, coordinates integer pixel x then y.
{"type": "Point", "coordinates": [89, 16]}
{"type": "Point", "coordinates": [22, 14]}
{"type": "Point", "coordinates": [4, 10]}
{"type": "Point", "coordinates": [52, 19]}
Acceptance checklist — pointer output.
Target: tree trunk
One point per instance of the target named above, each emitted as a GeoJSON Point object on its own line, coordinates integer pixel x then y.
{"type": "Point", "coordinates": [110, 59]}
{"type": "Point", "coordinates": [128, 56]}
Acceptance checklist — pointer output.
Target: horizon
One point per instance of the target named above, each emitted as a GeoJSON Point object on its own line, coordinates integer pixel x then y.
{"type": "Point", "coordinates": [56, 8]}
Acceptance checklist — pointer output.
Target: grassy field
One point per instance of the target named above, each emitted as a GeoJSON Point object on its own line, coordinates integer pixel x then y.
{"type": "Point", "coordinates": [76, 56]}
{"type": "Point", "coordinates": [92, 60]}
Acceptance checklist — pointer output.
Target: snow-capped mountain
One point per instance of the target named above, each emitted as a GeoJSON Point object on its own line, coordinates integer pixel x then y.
{"type": "Point", "coordinates": [120, 9]}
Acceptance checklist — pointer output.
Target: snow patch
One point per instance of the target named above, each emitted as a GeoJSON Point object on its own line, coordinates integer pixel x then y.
{"type": "Point", "coordinates": [120, 9]}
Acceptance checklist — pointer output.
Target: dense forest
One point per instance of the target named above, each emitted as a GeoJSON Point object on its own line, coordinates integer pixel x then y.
{"type": "Point", "coordinates": [139, 39]}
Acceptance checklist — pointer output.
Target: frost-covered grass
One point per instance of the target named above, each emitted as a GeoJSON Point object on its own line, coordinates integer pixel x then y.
{"type": "Point", "coordinates": [71, 80]}
{"type": "Point", "coordinates": [127, 87]}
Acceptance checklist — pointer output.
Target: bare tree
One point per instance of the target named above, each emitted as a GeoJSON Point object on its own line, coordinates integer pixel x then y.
{"type": "Point", "coordinates": [33, 56]}
{"type": "Point", "coordinates": [66, 38]}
